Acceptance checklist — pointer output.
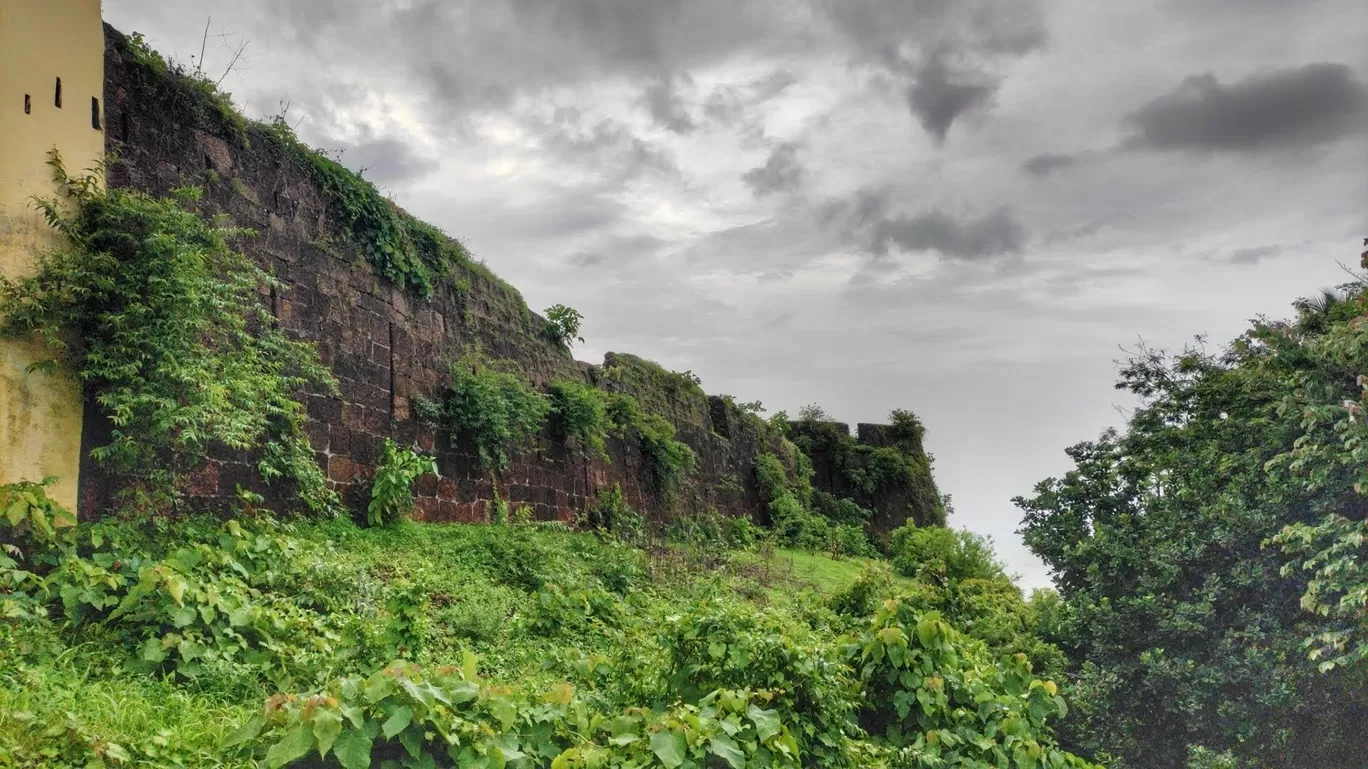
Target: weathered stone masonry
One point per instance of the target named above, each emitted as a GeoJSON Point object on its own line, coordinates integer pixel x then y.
{"type": "Point", "coordinates": [387, 347]}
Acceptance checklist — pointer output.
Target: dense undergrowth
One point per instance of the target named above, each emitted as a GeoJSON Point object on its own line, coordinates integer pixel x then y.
{"type": "Point", "coordinates": [247, 641]}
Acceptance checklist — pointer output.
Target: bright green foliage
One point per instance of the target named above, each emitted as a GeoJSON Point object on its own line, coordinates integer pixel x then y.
{"type": "Point", "coordinates": [495, 410]}
{"type": "Point", "coordinates": [865, 473]}
{"type": "Point", "coordinates": [944, 702]}
{"type": "Point", "coordinates": [589, 662]}
{"type": "Point", "coordinates": [937, 555]}
{"type": "Point", "coordinates": [795, 523]}
{"type": "Point", "coordinates": [392, 490]}
{"type": "Point", "coordinates": [161, 321]}
{"type": "Point", "coordinates": [1182, 625]}
{"type": "Point", "coordinates": [724, 646]}
{"type": "Point", "coordinates": [668, 459]}
{"type": "Point", "coordinates": [612, 515]}
{"type": "Point", "coordinates": [1335, 552]}
{"type": "Point", "coordinates": [563, 325]}
{"type": "Point", "coordinates": [580, 411]}
{"type": "Point", "coordinates": [771, 475]}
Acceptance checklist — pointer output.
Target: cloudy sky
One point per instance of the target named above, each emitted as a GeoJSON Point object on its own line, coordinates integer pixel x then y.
{"type": "Point", "coordinates": [961, 207]}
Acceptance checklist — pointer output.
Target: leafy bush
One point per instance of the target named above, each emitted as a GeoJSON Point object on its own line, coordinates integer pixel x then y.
{"type": "Point", "coordinates": [937, 555]}
{"type": "Point", "coordinates": [563, 325]}
{"type": "Point", "coordinates": [771, 476]}
{"type": "Point", "coordinates": [669, 460]}
{"type": "Point", "coordinates": [580, 411]}
{"type": "Point", "coordinates": [161, 321]}
{"type": "Point", "coordinates": [392, 490]}
{"type": "Point", "coordinates": [721, 645]}
{"type": "Point", "coordinates": [495, 410]}
{"type": "Point", "coordinates": [866, 593]}
{"type": "Point", "coordinates": [612, 515]}
{"type": "Point", "coordinates": [919, 674]}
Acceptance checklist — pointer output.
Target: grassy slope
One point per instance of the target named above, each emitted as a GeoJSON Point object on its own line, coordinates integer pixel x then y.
{"type": "Point", "coordinates": [81, 686]}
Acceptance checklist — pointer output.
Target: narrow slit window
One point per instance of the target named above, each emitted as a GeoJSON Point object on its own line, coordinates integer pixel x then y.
{"type": "Point", "coordinates": [28, 104]}
{"type": "Point", "coordinates": [95, 113]}
{"type": "Point", "coordinates": [57, 97]}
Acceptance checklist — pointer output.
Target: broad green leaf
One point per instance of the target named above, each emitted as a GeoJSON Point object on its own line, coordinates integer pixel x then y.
{"type": "Point", "coordinates": [397, 721]}
{"type": "Point", "coordinates": [353, 749]}
{"type": "Point", "coordinates": [669, 747]}
{"type": "Point", "coordinates": [247, 731]}
{"type": "Point", "coordinates": [291, 747]}
{"type": "Point", "coordinates": [327, 724]}
{"type": "Point", "coordinates": [766, 722]}
{"type": "Point", "coordinates": [725, 748]}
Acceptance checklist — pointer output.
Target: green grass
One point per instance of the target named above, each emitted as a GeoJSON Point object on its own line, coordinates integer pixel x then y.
{"type": "Point", "coordinates": [820, 572]}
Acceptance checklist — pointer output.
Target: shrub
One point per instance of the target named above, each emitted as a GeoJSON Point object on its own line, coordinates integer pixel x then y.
{"type": "Point", "coordinates": [940, 555]}
{"type": "Point", "coordinates": [563, 324]}
{"type": "Point", "coordinates": [771, 476]}
{"type": "Point", "coordinates": [392, 490]}
{"type": "Point", "coordinates": [669, 460]}
{"type": "Point", "coordinates": [495, 410]}
{"type": "Point", "coordinates": [919, 674]}
{"type": "Point", "coordinates": [162, 324]}
{"type": "Point", "coordinates": [580, 411]}
{"type": "Point", "coordinates": [724, 645]}
{"type": "Point", "coordinates": [611, 514]}
{"type": "Point", "coordinates": [866, 593]}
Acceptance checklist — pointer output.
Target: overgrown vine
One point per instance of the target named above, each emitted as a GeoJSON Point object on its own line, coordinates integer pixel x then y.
{"type": "Point", "coordinates": [160, 321]}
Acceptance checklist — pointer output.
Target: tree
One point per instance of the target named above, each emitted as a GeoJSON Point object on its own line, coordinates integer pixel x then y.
{"type": "Point", "coordinates": [1184, 629]}
{"type": "Point", "coordinates": [813, 413]}
{"type": "Point", "coordinates": [563, 325]}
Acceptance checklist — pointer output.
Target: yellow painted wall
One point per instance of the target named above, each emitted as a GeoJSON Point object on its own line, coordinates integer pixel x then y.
{"type": "Point", "coordinates": [40, 41]}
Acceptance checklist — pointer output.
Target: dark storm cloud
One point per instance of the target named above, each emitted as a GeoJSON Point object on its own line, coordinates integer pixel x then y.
{"type": "Point", "coordinates": [666, 107]}
{"type": "Point", "coordinates": [1286, 109]}
{"type": "Point", "coordinates": [607, 146]}
{"type": "Point", "coordinates": [948, 54]}
{"type": "Point", "coordinates": [586, 259]}
{"type": "Point", "coordinates": [780, 173]}
{"type": "Point", "coordinates": [1047, 163]}
{"type": "Point", "coordinates": [937, 97]}
{"type": "Point", "coordinates": [869, 223]}
{"type": "Point", "coordinates": [1254, 254]}
{"type": "Point", "coordinates": [386, 161]}
{"type": "Point", "coordinates": [945, 57]}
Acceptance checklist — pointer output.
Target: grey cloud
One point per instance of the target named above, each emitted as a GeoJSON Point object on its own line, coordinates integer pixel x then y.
{"type": "Point", "coordinates": [586, 259]}
{"type": "Point", "coordinates": [1047, 163]}
{"type": "Point", "coordinates": [1286, 109]}
{"type": "Point", "coordinates": [937, 97]}
{"type": "Point", "coordinates": [1254, 254]}
{"type": "Point", "coordinates": [617, 249]}
{"type": "Point", "coordinates": [607, 145]}
{"type": "Point", "coordinates": [917, 42]}
{"type": "Point", "coordinates": [780, 173]}
{"type": "Point", "coordinates": [868, 223]}
{"type": "Point", "coordinates": [667, 107]}
{"type": "Point", "coordinates": [387, 161]}
{"type": "Point", "coordinates": [471, 55]}
{"type": "Point", "coordinates": [729, 103]}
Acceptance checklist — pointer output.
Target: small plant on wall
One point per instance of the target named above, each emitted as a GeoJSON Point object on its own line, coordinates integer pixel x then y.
{"type": "Point", "coordinates": [496, 410]}
{"type": "Point", "coordinates": [563, 325]}
{"type": "Point", "coordinates": [392, 492]}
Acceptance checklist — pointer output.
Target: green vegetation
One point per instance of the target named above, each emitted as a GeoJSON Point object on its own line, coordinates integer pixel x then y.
{"type": "Point", "coordinates": [493, 409]}
{"type": "Point", "coordinates": [1210, 558]}
{"type": "Point", "coordinates": [254, 642]}
{"type": "Point", "coordinates": [161, 322]}
{"type": "Point", "coordinates": [392, 489]}
{"type": "Point", "coordinates": [669, 460]}
{"type": "Point", "coordinates": [866, 472]}
{"type": "Point", "coordinates": [581, 412]}
{"type": "Point", "coordinates": [563, 324]}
